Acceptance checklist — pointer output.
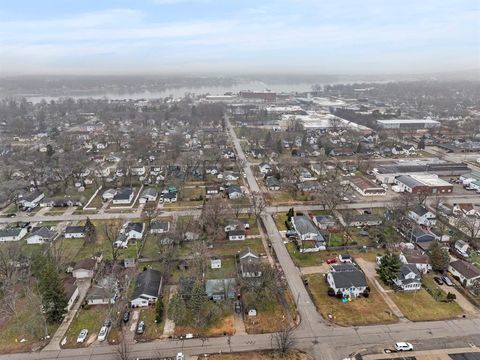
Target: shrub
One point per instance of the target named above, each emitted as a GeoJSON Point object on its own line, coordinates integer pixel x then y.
{"type": "Point", "coordinates": [159, 311]}
{"type": "Point", "coordinates": [339, 295]}
{"type": "Point", "coordinates": [366, 293]}
{"type": "Point", "coordinates": [331, 292]}
{"type": "Point", "coordinates": [451, 297]}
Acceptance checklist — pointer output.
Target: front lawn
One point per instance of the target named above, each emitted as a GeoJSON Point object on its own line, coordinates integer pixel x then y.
{"type": "Point", "coordinates": [153, 330]}
{"type": "Point", "coordinates": [260, 355]}
{"type": "Point", "coordinates": [224, 326]}
{"type": "Point", "coordinates": [304, 259]}
{"type": "Point", "coordinates": [270, 317]}
{"type": "Point", "coordinates": [420, 306]}
{"type": "Point", "coordinates": [358, 312]}
{"type": "Point", "coordinates": [228, 269]}
{"type": "Point", "coordinates": [227, 247]}
{"type": "Point", "coordinates": [91, 319]}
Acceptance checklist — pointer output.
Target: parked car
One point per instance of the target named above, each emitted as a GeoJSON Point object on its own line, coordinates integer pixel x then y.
{"type": "Point", "coordinates": [403, 346]}
{"type": "Point", "coordinates": [82, 336]}
{"type": "Point", "coordinates": [331, 260]}
{"type": "Point", "coordinates": [291, 234]}
{"type": "Point", "coordinates": [180, 356]}
{"type": "Point", "coordinates": [447, 281]}
{"type": "Point", "coordinates": [11, 215]}
{"type": "Point", "coordinates": [126, 316]}
{"type": "Point", "coordinates": [102, 335]}
{"type": "Point", "coordinates": [141, 327]}
{"type": "Point", "coordinates": [238, 307]}
{"type": "Point", "coordinates": [438, 280]}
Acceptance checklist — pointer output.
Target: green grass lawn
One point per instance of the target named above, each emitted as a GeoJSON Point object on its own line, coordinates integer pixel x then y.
{"type": "Point", "coordinates": [90, 319]}
{"type": "Point", "coordinates": [226, 247]}
{"type": "Point", "coordinates": [361, 311]}
{"type": "Point", "coordinates": [228, 269]}
{"type": "Point", "coordinates": [420, 306]}
{"type": "Point", "coordinates": [153, 330]}
{"type": "Point", "coordinates": [280, 219]}
{"type": "Point", "coordinates": [304, 259]}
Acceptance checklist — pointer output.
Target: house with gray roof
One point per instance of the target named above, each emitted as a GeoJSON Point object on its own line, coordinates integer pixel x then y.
{"type": "Point", "coordinates": [148, 195]}
{"type": "Point", "coordinates": [422, 216]}
{"type": "Point", "coordinates": [409, 278]}
{"type": "Point", "coordinates": [41, 235]}
{"type": "Point", "coordinates": [148, 287]}
{"type": "Point", "coordinates": [159, 227]}
{"type": "Point", "coordinates": [467, 273]}
{"type": "Point", "coordinates": [310, 239]}
{"type": "Point", "coordinates": [12, 234]}
{"type": "Point", "coordinates": [220, 289]}
{"type": "Point", "coordinates": [250, 266]}
{"type": "Point", "coordinates": [347, 280]}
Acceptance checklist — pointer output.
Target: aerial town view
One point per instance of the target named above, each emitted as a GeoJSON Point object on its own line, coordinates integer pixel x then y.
{"type": "Point", "coordinates": [167, 195]}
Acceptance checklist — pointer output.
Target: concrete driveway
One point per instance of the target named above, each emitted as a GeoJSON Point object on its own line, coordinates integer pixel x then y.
{"type": "Point", "coordinates": [461, 300]}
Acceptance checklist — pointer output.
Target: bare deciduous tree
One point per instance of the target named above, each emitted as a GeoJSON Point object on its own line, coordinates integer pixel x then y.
{"type": "Point", "coordinates": [283, 340]}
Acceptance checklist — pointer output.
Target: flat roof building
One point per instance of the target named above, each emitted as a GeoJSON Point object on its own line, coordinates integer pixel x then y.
{"type": "Point", "coordinates": [408, 124]}
{"type": "Point", "coordinates": [430, 184]}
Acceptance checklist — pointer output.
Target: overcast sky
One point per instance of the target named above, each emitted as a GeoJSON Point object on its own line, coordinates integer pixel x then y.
{"type": "Point", "coordinates": [298, 36]}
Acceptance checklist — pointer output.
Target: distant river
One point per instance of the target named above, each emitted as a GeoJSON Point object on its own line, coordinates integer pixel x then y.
{"type": "Point", "coordinates": [178, 92]}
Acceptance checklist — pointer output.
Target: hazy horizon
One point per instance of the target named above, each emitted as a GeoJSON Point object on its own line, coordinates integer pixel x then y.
{"type": "Point", "coordinates": [208, 37]}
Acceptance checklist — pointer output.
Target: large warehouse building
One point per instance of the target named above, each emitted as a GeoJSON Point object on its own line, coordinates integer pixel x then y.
{"type": "Point", "coordinates": [429, 184]}
{"type": "Point", "coordinates": [408, 124]}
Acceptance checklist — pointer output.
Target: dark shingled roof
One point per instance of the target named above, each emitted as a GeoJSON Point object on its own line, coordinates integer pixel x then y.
{"type": "Point", "coordinates": [468, 270]}
{"type": "Point", "coordinates": [148, 282]}
{"type": "Point", "coordinates": [348, 279]}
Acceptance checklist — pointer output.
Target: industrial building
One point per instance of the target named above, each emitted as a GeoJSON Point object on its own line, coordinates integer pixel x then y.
{"type": "Point", "coordinates": [366, 187]}
{"type": "Point", "coordinates": [428, 184]}
{"type": "Point", "coordinates": [386, 174]}
{"type": "Point", "coordinates": [408, 124]}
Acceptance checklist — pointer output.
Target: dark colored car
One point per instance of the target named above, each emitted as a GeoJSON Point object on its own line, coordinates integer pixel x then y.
{"type": "Point", "coordinates": [438, 280]}
{"type": "Point", "coordinates": [238, 307]}
{"type": "Point", "coordinates": [140, 327]}
{"type": "Point", "coordinates": [291, 234]}
{"type": "Point", "coordinates": [126, 316]}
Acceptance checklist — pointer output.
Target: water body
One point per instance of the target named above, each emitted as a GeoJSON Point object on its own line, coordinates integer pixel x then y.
{"type": "Point", "coordinates": [178, 92]}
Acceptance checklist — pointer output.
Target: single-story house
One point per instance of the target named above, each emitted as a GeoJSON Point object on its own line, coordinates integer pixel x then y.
{"type": "Point", "coordinates": [272, 183]}
{"type": "Point", "coordinates": [123, 196]}
{"type": "Point", "coordinates": [349, 281]}
{"type": "Point", "coordinates": [467, 273]}
{"type": "Point", "coordinates": [99, 295]}
{"type": "Point", "coordinates": [74, 232]}
{"type": "Point", "coordinates": [365, 220]}
{"type": "Point", "coordinates": [309, 186]}
{"type": "Point", "coordinates": [212, 190]}
{"type": "Point", "coordinates": [40, 235]}
{"type": "Point", "coordinates": [305, 228]}
{"type": "Point", "coordinates": [148, 287]}
{"type": "Point", "coordinates": [220, 289]}
{"type": "Point", "coordinates": [236, 235]}
{"type": "Point", "coordinates": [236, 224]}
{"type": "Point", "coordinates": [109, 194]}
{"type": "Point", "coordinates": [422, 216]}
{"type": "Point", "coordinates": [418, 234]}
{"type": "Point", "coordinates": [324, 221]}
{"type": "Point", "coordinates": [409, 278]}
{"type": "Point", "coordinates": [30, 199]}
{"type": "Point", "coordinates": [84, 269]}
{"type": "Point", "coordinates": [169, 197]}
{"type": "Point", "coordinates": [133, 230]}
{"type": "Point", "coordinates": [234, 192]}
{"type": "Point", "coordinates": [12, 234]}
{"type": "Point", "coordinates": [250, 265]}
{"type": "Point", "coordinates": [148, 195]}
{"type": "Point", "coordinates": [264, 167]}
{"type": "Point", "coordinates": [159, 227]}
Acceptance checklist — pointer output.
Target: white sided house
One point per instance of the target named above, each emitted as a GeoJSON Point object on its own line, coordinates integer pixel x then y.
{"type": "Point", "coordinates": [236, 235]}
{"type": "Point", "coordinates": [84, 269]}
{"type": "Point", "coordinates": [123, 197]}
{"type": "Point", "coordinates": [409, 278]}
{"type": "Point", "coordinates": [422, 216]}
{"type": "Point", "coordinates": [147, 288]}
{"type": "Point", "coordinates": [12, 234]}
{"type": "Point", "coordinates": [74, 232]}
{"type": "Point", "coordinates": [467, 273]}
{"type": "Point", "coordinates": [40, 236]}
{"type": "Point", "coordinates": [347, 280]}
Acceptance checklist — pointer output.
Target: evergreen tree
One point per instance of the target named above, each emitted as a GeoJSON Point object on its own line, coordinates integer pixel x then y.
{"type": "Point", "coordinates": [54, 300]}
{"type": "Point", "coordinates": [177, 310]}
{"type": "Point", "coordinates": [90, 231]}
{"type": "Point", "coordinates": [439, 257]}
{"type": "Point", "coordinates": [279, 146]}
{"type": "Point", "coordinates": [421, 143]}
{"type": "Point", "coordinates": [159, 311]}
{"type": "Point", "coordinates": [290, 214]}
{"type": "Point", "coordinates": [198, 298]}
{"type": "Point", "coordinates": [50, 151]}
{"type": "Point", "coordinates": [389, 268]}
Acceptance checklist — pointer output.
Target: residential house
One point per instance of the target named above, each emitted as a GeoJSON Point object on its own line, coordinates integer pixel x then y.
{"type": "Point", "coordinates": [341, 152]}
{"type": "Point", "coordinates": [324, 221]}
{"type": "Point", "coordinates": [305, 175]}
{"type": "Point", "coordinates": [212, 190]}
{"type": "Point", "coordinates": [417, 258]}
{"type": "Point", "coordinates": [123, 197]}
{"type": "Point", "coordinates": [229, 176]}
{"type": "Point", "coordinates": [236, 235]}
{"type": "Point", "coordinates": [109, 194]}
{"type": "Point", "coordinates": [70, 289]}
{"type": "Point", "coordinates": [273, 184]}
{"type": "Point", "coordinates": [12, 234]}
{"type": "Point", "coordinates": [159, 227]}
{"type": "Point", "coordinates": [234, 192]}
{"type": "Point", "coordinates": [264, 167]}
{"type": "Point", "coordinates": [347, 280]}
{"type": "Point", "coordinates": [467, 273]}
{"type": "Point", "coordinates": [40, 235]}
{"type": "Point", "coordinates": [309, 186]}
{"type": "Point", "coordinates": [30, 199]}
{"type": "Point", "coordinates": [100, 295]}
{"type": "Point", "coordinates": [220, 289]}
{"type": "Point", "coordinates": [250, 266]}
{"type": "Point", "coordinates": [258, 153]}
{"type": "Point", "coordinates": [466, 209]}
{"type": "Point", "coordinates": [148, 195]}
{"type": "Point", "coordinates": [169, 197]}
{"type": "Point", "coordinates": [215, 263]}
{"type": "Point", "coordinates": [138, 170]}
{"type": "Point", "coordinates": [462, 248]}
{"type": "Point", "coordinates": [148, 287]}
{"type": "Point", "coordinates": [236, 224]}
{"type": "Point", "coordinates": [422, 216]}
{"type": "Point", "coordinates": [74, 232]}
{"type": "Point", "coordinates": [364, 220]}
{"type": "Point", "coordinates": [310, 238]}
{"type": "Point", "coordinates": [409, 278]}
{"type": "Point", "coordinates": [84, 269]}
{"type": "Point", "coordinates": [418, 234]}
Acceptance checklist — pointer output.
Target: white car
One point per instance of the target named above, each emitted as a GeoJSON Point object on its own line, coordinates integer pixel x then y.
{"type": "Point", "coordinates": [82, 336]}
{"type": "Point", "coordinates": [180, 356]}
{"type": "Point", "coordinates": [102, 335]}
{"type": "Point", "coordinates": [403, 346]}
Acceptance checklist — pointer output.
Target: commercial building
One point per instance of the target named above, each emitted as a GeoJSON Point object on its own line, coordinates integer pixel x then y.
{"type": "Point", "coordinates": [366, 187]}
{"type": "Point", "coordinates": [408, 124]}
{"type": "Point", "coordinates": [386, 174]}
{"type": "Point", "coordinates": [430, 184]}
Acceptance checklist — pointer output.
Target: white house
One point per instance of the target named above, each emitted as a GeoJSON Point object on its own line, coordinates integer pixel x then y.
{"type": "Point", "coordinates": [462, 248]}
{"type": "Point", "coordinates": [148, 287]}
{"type": "Point", "coordinates": [31, 199]}
{"type": "Point", "coordinates": [236, 235]}
{"type": "Point", "coordinates": [250, 266]}
{"type": "Point", "coordinates": [264, 167]}
{"type": "Point", "coordinates": [159, 227]}
{"type": "Point", "coordinates": [466, 209]}
{"type": "Point", "coordinates": [148, 195]}
{"type": "Point", "coordinates": [124, 196]}
{"type": "Point", "coordinates": [348, 280]}
{"type": "Point", "coordinates": [417, 258]}
{"type": "Point", "coordinates": [234, 192]}
{"type": "Point", "coordinates": [109, 194]}
{"type": "Point", "coordinates": [468, 274]}
{"type": "Point", "coordinates": [74, 232]}
{"type": "Point", "coordinates": [138, 170]}
{"type": "Point", "coordinates": [40, 235]}
{"type": "Point", "coordinates": [422, 216]}
{"type": "Point", "coordinates": [409, 278]}
{"type": "Point", "coordinates": [12, 234]}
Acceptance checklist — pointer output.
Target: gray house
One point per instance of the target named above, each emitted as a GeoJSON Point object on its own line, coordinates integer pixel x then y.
{"type": "Point", "coordinates": [220, 289]}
